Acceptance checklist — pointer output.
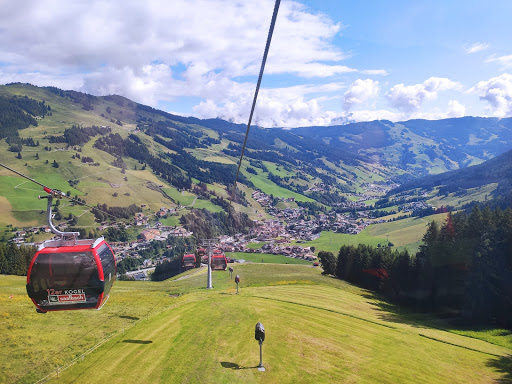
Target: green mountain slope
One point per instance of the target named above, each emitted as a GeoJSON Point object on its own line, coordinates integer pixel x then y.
{"type": "Point", "coordinates": [113, 151]}
{"type": "Point", "coordinates": [495, 171]}
{"type": "Point", "coordinates": [318, 329]}
{"type": "Point", "coordinates": [421, 146]}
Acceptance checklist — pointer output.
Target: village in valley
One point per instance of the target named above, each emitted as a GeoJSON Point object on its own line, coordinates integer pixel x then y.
{"type": "Point", "coordinates": [284, 232]}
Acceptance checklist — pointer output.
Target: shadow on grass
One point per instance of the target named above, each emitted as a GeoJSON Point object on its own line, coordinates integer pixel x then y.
{"type": "Point", "coordinates": [419, 317]}
{"type": "Point", "coordinates": [138, 341]}
{"type": "Point", "coordinates": [129, 317]}
{"type": "Point", "coordinates": [445, 319]}
{"type": "Point", "coordinates": [504, 366]}
{"type": "Point", "coordinates": [235, 366]}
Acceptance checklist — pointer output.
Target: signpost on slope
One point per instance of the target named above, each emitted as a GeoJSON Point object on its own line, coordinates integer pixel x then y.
{"type": "Point", "coordinates": [259, 334]}
{"type": "Point", "coordinates": [237, 280]}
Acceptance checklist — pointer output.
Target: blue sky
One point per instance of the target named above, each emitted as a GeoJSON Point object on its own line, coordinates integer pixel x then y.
{"type": "Point", "coordinates": [331, 62]}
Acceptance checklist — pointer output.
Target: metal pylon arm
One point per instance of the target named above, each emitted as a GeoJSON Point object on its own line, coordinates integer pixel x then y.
{"type": "Point", "coordinates": [63, 235]}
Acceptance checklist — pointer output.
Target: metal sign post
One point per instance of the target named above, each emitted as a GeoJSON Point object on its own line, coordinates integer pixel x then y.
{"type": "Point", "coordinates": [237, 280]}
{"type": "Point", "coordinates": [259, 334]}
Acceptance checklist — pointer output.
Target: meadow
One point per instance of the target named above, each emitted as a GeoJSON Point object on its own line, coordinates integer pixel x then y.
{"type": "Point", "coordinates": [331, 241]}
{"type": "Point", "coordinates": [318, 329]}
{"type": "Point", "coordinates": [266, 258]}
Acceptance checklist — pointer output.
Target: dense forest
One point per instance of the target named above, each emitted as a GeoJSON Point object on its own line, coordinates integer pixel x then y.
{"type": "Point", "coordinates": [15, 260]}
{"type": "Point", "coordinates": [103, 212]}
{"type": "Point", "coordinates": [19, 113]}
{"type": "Point", "coordinates": [207, 225]}
{"type": "Point", "coordinates": [464, 266]}
{"type": "Point", "coordinates": [77, 135]}
{"type": "Point", "coordinates": [497, 170]}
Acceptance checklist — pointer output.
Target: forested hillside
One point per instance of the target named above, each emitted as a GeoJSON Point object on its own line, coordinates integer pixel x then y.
{"type": "Point", "coordinates": [421, 146]}
{"type": "Point", "coordinates": [497, 170]}
{"type": "Point", "coordinates": [114, 152]}
{"type": "Point", "coordinates": [464, 267]}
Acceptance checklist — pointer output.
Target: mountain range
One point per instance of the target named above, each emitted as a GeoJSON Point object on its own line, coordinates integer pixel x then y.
{"type": "Point", "coordinates": [310, 164]}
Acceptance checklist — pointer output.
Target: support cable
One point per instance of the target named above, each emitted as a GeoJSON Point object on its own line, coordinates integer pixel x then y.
{"type": "Point", "coordinates": [264, 60]}
{"type": "Point", "coordinates": [56, 193]}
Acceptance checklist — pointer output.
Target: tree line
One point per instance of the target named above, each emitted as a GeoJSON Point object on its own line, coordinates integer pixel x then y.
{"type": "Point", "coordinates": [103, 212]}
{"type": "Point", "coordinates": [463, 266]}
{"type": "Point", "coordinates": [133, 147]}
{"type": "Point", "coordinates": [77, 135]}
{"type": "Point", "coordinates": [207, 225]}
{"type": "Point", "coordinates": [18, 113]}
{"type": "Point", "coordinates": [15, 260]}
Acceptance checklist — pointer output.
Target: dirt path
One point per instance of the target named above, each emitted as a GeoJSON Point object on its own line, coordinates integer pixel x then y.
{"type": "Point", "coordinates": [190, 275]}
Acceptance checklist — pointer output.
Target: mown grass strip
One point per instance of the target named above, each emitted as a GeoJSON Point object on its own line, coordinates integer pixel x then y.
{"type": "Point", "coordinates": [457, 345]}
{"type": "Point", "coordinates": [328, 310]}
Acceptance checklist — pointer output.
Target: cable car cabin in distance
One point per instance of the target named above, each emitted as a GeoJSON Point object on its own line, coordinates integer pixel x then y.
{"type": "Point", "coordinates": [75, 276]}
{"type": "Point", "coordinates": [188, 261]}
{"type": "Point", "coordinates": [201, 253]}
{"type": "Point", "coordinates": [219, 261]}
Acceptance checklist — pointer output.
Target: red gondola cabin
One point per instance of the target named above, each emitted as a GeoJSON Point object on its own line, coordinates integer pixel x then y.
{"type": "Point", "coordinates": [75, 276]}
{"type": "Point", "coordinates": [219, 261]}
{"type": "Point", "coordinates": [189, 261]}
{"type": "Point", "coordinates": [201, 253]}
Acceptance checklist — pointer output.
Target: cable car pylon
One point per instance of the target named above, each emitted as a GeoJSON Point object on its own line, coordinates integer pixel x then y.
{"type": "Point", "coordinates": [209, 243]}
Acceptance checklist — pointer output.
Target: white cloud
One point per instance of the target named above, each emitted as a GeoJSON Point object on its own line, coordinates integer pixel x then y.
{"type": "Point", "coordinates": [162, 50]}
{"type": "Point", "coordinates": [381, 72]}
{"type": "Point", "coordinates": [497, 91]}
{"type": "Point", "coordinates": [456, 109]}
{"type": "Point", "coordinates": [370, 115]}
{"type": "Point", "coordinates": [135, 34]}
{"type": "Point", "coordinates": [278, 107]}
{"type": "Point", "coordinates": [359, 92]}
{"type": "Point", "coordinates": [410, 98]}
{"type": "Point", "coordinates": [476, 47]}
{"type": "Point", "coordinates": [504, 61]}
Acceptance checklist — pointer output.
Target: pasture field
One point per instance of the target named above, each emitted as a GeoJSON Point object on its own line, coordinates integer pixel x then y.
{"type": "Point", "coordinates": [184, 197]}
{"type": "Point", "coordinates": [219, 159]}
{"type": "Point", "coordinates": [318, 329]}
{"type": "Point", "coordinates": [255, 245]}
{"type": "Point", "coordinates": [262, 183]}
{"type": "Point", "coordinates": [406, 233]}
{"type": "Point", "coordinates": [171, 220]}
{"type": "Point", "coordinates": [207, 204]}
{"type": "Point", "coordinates": [267, 258]}
{"type": "Point", "coordinates": [474, 194]}
{"type": "Point", "coordinates": [331, 242]}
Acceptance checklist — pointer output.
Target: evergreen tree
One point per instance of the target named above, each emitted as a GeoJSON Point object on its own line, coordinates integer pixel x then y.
{"type": "Point", "coordinates": [328, 262]}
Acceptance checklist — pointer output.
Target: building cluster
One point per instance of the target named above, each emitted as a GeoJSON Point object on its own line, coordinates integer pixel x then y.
{"type": "Point", "coordinates": [414, 206]}
{"type": "Point", "coordinates": [165, 211]}
{"type": "Point", "coordinates": [140, 219]}
{"type": "Point", "coordinates": [289, 225]}
{"type": "Point", "coordinates": [262, 198]}
{"type": "Point", "coordinates": [275, 246]}
{"type": "Point", "coordinates": [317, 187]}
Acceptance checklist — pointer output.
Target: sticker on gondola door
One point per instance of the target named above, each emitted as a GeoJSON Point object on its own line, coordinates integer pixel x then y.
{"type": "Point", "coordinates": [68, 296]}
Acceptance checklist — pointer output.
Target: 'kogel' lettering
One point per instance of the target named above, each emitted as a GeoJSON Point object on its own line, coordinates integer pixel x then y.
{"type": "Point", "coordinates": [73, 291]}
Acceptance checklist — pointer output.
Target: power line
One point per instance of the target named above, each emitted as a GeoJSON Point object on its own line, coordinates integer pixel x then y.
{"type": "Point", "coordinates": [264, 60]}
{"type": "Point", "coordinates": [56, 192]}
